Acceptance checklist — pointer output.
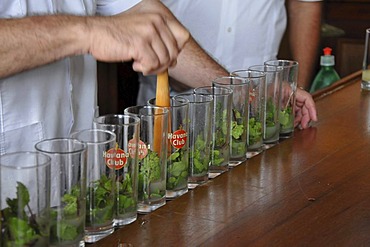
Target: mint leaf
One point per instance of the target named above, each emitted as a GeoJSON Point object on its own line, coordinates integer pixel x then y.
{"type": "Point", "coordinates": [70, 208]}
{"type": "Point", "coordinates": [22, 195]}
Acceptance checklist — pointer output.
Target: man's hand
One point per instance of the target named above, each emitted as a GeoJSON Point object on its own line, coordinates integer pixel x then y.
{"type": "Point", "coordinates": [305, 109]}
{"type": "Point", "coordinates": [152, 40]}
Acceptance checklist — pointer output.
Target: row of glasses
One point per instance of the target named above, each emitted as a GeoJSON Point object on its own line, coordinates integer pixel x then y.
{"type": "Point", "coordinates": [252, 110]}
{"type": "Point", "coordinates": [136, 161]}
{"type": "Point", "coordinates": [272, 88]}
{"type": "Point", "coordinates": [68, 191]}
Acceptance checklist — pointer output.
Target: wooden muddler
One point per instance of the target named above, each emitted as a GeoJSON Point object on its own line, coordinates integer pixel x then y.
{"type": "Point", "coordinates": [162, 99]}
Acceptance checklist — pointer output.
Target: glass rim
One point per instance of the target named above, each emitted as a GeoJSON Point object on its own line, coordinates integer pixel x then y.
{"type": "Point", "coordinates": [182, 104]}
{"type": "Point", "coordinates": [243, 80]}
{"type": "Point", "coordinates": [286, 63]}
{"type": "Point", "coordinates": [136, 119]}
{"type": "Point", "coordinates": [163, 109]}
{"type": "Point", "coordinates": [112, 136]}
{"type": "Point", "coordinates": [276, 68]}
{"type": "Point", "coordinates": [208, 98]}
{"type": "Point", "coordinates": [44, 163]}
{"type": "Point", "coordinates": [226, 90]}
{"type": "Point", "coordinates": [74, 140]}
{"type": "Point", "coordinates": [262, 74]}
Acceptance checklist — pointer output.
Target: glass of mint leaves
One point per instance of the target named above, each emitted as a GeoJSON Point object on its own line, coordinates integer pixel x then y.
{"type": "Point", "coordinates": [25, 199]}
{"type": "Point", "coordinates": [127, 133]}
{"type": "Point", "coordinates": [100, 182]}
{"type": "Point", "coordinates": [287, 95]}
{"type": "Point", "coordinates": [178, 147]}
{"type": "Point", "coordinates": [256, 106]}
{"type": "Point", "coordinates": [68, 189]}
{"type": "Point", "coordinates": [221, 126]}
{"type": "Point", "coordinates": [199, 136]}
{"type": "Point", "coordinates": [274, 77]}
{"type": "Point", "coordinates": [152, 156]}
{"type": "Point", "coordinates": [239, 115]}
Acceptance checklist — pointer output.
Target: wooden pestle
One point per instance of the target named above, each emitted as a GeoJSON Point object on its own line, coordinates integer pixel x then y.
{"type": "Point", "coordinates": [162, 99]}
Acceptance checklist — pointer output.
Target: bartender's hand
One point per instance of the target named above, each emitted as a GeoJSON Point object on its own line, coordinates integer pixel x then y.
{"type": "Point", "coordinates": [152, 40]}
{"type": "Point", "coordinates": [305, 109]}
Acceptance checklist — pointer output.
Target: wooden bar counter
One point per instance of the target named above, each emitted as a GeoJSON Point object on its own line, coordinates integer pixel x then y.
{"type": "Point", "coordinates": [310, 190]}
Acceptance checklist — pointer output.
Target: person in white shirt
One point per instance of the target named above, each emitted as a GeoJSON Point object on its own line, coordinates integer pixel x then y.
{"type": "Point", "coordinates": [49, 52]}
{"type": "Point", "coordinates": [241, 33]}
{"type": "Point", "coordinates": [48, 61]}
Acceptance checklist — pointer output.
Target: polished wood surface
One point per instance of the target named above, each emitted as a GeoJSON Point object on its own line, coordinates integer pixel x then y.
{"type": "Point", "coordinates": [310, 190]}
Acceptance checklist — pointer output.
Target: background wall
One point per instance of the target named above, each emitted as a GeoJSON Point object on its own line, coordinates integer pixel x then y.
{"type": "Point", "coordinates": [352, 17]}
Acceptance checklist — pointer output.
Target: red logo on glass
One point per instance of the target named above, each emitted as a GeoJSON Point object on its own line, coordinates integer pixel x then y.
{"type": "Point", "coordinates": [178, 138]}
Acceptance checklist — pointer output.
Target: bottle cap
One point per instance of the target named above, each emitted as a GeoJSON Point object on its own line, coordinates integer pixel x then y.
{"type": "Point", "coordinates": [327, 59]}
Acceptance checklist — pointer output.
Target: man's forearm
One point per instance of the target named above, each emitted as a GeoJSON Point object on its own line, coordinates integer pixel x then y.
{"type": "Point", "coordinates": [34, 41]}
{"type": "Point", "coordinates": [304, 36]}
{"type": "Point", "coordinates": [195, 67]}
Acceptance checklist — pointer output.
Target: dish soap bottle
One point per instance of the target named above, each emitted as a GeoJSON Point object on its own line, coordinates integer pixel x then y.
{"type": "Point", "coordinates": [327, 74]}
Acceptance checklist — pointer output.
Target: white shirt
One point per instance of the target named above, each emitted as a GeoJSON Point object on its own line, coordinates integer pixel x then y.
{"type": "Point", "coordinates": [56, 99]}
{"type": "Point", "coordinates": [236, 33]}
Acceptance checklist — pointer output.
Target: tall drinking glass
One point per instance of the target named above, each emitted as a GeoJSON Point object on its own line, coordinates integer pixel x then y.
{"type": "Point", "coordinates": [178, 147]}
{"type": "Point", "coordinates": [68, 190]}
{"type": "Point", "coordinates": [365, 84]}
{"type": "Point", "coordinates": [199, 138]}
{"type": "Point", "coordinates": [221, 115]}
{"type": "Point", "coordinates": [152, 156]}
{"type": "Point", "coordinates": [239, 116]}
{"type": "Point", "coordinates": [127, 132]}
{"type": "Point", "coordinates": [274, 77]}
{"type": "Point", "coordinates": [25, 199]}
{"type": "Point", "coordinates": [100, 178]}
{"type": "Point", "coordinates": [256, 116]}
{"type": "Point", "coordinates": [287, 95]}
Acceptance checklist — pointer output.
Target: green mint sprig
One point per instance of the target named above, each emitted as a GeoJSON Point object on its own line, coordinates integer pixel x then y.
{"type": "Point", "coordinates": [177, 170]}
{"type": "Point", "coordinates": [17, 227]}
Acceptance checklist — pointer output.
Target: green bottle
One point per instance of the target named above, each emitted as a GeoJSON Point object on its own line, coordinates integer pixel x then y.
{"type": "Point", "coordinates": [327, 74]}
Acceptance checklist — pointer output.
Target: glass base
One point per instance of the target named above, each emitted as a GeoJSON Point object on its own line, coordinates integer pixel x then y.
{"type": "Point", "coordinates": [125, 221]}
{"type": "Point", "coordinates": [172, 194]}
{"type": "Point", "coordinates": [269, 145]}
{"type": "Point", "coordinates": [197, 179]}
{"type": "Point", "coordinates": [92, 236]}
{"type": "Point", "coordinates": [212, 175]}
{"type": "Point", "coordinates": [252, 153]}
{"type": "Point", "coordinates": [192, 186]}
{"type": "Point", "coordinates": [365, 85]}
{"type": "Point", "coordinates": [219, 169]}
{"type": "Point", "coordinates": [147, 208]}
{"type": "Point", "coordinates": [284, 135]}
{"type": "Point", "coordinates": [233, 163]}
{"type": "Point", "coordinates": [237, 160]}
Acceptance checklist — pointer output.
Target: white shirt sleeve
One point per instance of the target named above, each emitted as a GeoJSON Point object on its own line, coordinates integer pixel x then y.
{"type": "Point", "coordinates": [113, 7]}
